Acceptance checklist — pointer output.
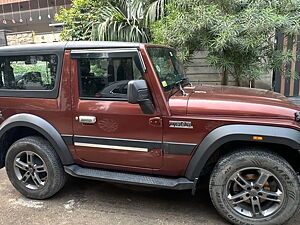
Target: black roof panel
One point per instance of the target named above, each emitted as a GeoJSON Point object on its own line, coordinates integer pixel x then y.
{"type": "Point", "coordinates": [60, 46]}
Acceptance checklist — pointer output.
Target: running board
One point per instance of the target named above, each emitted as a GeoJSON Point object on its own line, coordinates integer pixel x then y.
{"type": "Point", "coordinates": [129, 178]}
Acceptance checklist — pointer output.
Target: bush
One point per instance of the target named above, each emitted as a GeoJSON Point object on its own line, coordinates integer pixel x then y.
{"type": "Point", "coordinates": [239, 34]}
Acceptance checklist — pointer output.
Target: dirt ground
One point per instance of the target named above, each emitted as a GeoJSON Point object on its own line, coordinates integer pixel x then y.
{"type": "Point", "coordinates": [93, 202]}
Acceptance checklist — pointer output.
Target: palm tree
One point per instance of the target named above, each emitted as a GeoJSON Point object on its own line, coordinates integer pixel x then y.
{"type": "Point", "coordinates": [128, 20]}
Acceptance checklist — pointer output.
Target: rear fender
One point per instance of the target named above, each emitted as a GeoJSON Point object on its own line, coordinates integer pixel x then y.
{"type": "Point", "coordinates": [44, 128]}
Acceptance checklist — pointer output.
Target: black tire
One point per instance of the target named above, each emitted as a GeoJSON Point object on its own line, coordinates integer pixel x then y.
{"type": "Point", "coordinates": [260, 171]}
{"type": "Point", "coordinates": [43, 171]}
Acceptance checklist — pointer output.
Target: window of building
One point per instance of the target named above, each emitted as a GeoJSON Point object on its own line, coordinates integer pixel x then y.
{"type": "Point", "coordinates": [106, 77]}
{"type": "Point", "coordinates": [28, 72]}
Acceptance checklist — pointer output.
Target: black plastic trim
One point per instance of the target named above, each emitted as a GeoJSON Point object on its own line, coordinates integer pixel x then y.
{"type": "Point", "coordinates": [44, 128]}
{"type": "Point", "coordinates": [67, 46]}
{"type": "Point", "coordinates": [103, 53]}
{"type": "Point", "coordinates": [105, 99]}
{"type": "Point", "coordinates": [130, 178]}
{"type": "Point", "coordinates": [68, 139]}
{"type": "Point", "coordinates": [168, 147]}
{"type": "Point", "coordinates": [178, 148]}
{"type": "Point", "coordinates": [225, 134]}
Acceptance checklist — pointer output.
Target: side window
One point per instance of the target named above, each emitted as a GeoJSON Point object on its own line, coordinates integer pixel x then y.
{"type": "Point", "coordinates": [28, 72]}
{"type": "Point", "coordinates": [106, 77]}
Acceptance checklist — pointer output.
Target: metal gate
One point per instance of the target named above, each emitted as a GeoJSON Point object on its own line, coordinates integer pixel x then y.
{"type": "Point", "coordinates": [284, 82]}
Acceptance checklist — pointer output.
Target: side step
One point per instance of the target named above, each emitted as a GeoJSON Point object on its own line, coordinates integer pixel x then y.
{"type": "Point", "coordinates": [129, 178]}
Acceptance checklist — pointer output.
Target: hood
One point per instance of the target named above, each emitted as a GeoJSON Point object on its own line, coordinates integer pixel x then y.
{"type": "Point", "coordinates": [232, 101]}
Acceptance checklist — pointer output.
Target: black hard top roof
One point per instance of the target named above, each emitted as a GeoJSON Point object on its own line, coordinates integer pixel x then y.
{"type": "Point", "coordinates": [60, 46]}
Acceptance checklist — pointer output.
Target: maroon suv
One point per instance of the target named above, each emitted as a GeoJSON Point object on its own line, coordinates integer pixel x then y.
{"type": "Point", "coordinates": [125, 113]}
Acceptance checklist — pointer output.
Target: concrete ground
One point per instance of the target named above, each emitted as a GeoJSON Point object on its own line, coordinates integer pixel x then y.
{"type": "Point", "coordinates": [93, 202]}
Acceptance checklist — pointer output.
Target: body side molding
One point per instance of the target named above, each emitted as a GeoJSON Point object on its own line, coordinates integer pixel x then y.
{"type": "Point", "coordinates": [176, 148]}
{"type": "Point", "coordinates": [225, 134]}
{"type": "Point", "coordinates": [44, 128]}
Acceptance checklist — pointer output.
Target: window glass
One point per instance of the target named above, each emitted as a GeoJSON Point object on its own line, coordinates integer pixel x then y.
{"type": "Point", "coordinates": [106, 78]}
{"type": "Point", "coordinates": [28, 72]}
{"type": "Point", "coordinates": [167, 66]}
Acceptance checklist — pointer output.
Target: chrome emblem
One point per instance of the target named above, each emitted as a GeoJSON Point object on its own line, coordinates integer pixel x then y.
{"type": "Point", "coordinates": [180, 124]}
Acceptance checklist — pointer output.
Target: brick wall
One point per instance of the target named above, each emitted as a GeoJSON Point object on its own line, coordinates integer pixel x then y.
{"type": "Point", "coordinates": [21, 38]}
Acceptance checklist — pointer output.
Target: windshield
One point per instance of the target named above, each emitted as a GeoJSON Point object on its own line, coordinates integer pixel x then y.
{"type": "Point", "coordinates": [167, 67]}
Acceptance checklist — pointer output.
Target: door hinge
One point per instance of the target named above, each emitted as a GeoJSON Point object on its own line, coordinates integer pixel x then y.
{"type": "Point", "coordinates": [155, 122]}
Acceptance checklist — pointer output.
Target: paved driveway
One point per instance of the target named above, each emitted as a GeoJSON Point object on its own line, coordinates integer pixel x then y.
{"type": "Point", "coordinates": [93, 202]}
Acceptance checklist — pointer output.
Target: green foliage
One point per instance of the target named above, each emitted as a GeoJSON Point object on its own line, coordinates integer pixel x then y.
{"type": "Point", "coordinates": [80, 19]}
{"type": "Point", "coordinates": [122, 22]}
{"type": "Point", "coordinates": [20, 69]}
{"type": "Point", "coordinates": [117, 20]}
{"type": "Point", "coordinates": [239, 34]}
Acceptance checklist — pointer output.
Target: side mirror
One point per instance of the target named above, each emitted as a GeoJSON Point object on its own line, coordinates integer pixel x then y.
{"type": "Point", "coordinates": [138, 93]}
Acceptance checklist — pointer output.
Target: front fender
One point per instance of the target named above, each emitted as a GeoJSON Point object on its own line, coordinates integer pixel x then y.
{"type": "Point", "coordinates": [43, 127]}
{"type": "Point", "coordinates": [228, 133]}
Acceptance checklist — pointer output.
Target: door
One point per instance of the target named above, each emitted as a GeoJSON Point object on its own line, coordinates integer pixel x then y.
{"type": "Point", "coordinates": [107, 129]}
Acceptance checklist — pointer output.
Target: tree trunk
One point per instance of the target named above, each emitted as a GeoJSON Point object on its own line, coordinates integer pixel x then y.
{"type": "Point", "coordinates": [252, 83]}
{"type": "Point", "coordinates": [224, 78]}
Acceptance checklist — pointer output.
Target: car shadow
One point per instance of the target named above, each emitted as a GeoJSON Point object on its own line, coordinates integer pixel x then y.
{"type": "Point", "coordinates": [147, 201]}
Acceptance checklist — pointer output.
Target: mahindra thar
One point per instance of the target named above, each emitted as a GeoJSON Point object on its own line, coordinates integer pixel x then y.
{"type": "Point", "coordinates": [125, 113]}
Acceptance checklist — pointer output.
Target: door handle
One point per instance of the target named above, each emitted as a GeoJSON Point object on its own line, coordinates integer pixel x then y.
{"type": "Point", "coordinates": [87, 119]}
{"type": "Point", "coordinates": [155, 122]}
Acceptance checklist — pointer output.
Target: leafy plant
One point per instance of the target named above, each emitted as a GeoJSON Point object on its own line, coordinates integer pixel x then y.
{"type": "Point", "coordinates": [117, 20]}
{"type": "Point", "coordinates": [79, 19]}
{"type": "Point", "coordinates": [239, 34]}
{"type": "Point", "coordinates": [122, 22]}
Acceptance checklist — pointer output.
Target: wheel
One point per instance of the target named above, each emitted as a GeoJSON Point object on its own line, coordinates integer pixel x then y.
{"type": "Point", "coordinates": [254, 187]}
{"type": "Point", "coordinates": [34, 168]}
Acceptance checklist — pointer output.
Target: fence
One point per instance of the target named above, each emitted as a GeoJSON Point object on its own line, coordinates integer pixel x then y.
{"type": "Point", "coordinates": [286, 81]}
{"type": "Point", "coordinates": [200, 71]}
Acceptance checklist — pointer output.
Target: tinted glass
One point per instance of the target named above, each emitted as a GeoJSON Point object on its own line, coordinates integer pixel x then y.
{"type": "Point", "coordinates": [106, 78]}
{"type": "Point", "coordinates": [28, 72]}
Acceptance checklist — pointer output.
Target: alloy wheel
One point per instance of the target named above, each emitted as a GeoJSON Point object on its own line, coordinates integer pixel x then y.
{"type": "Point", "coordinates": [31, 170]}
{"type": "Point", "coordinates": [254, 192]}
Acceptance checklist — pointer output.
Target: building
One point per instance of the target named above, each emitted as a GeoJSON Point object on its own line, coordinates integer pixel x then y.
{"type": "Point", "coordinates": [29, 21]}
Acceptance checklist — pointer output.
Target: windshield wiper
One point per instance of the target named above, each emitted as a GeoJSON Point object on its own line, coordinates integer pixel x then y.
{"type": "Point", "coordinates": [180, 84]}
